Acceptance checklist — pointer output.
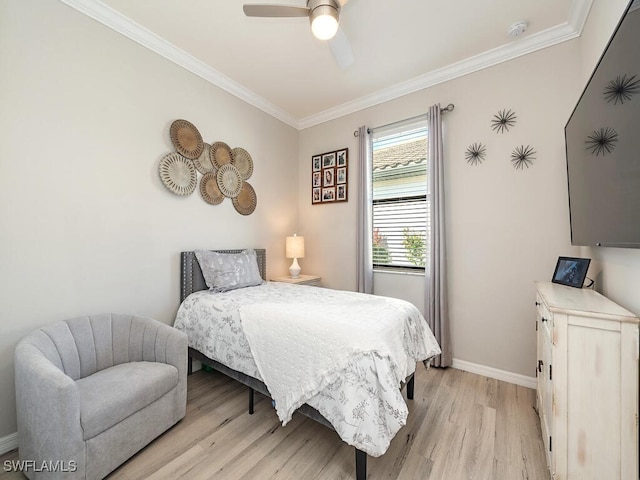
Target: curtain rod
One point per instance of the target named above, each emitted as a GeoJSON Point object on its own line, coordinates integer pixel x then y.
{"type": "Point", "coordinates": [448, 108]}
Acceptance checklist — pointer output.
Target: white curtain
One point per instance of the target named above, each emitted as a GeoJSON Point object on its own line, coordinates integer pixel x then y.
{"type": "Point", "coordinates": [364, 266]}
{"type": "Point", "coordinates": [436, 304]}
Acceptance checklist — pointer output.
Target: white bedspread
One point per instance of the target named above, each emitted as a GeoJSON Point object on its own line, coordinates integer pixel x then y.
{"type": "Point", "coordinates": [300, 352]}
{"type": "Point", "coordinates": [351, 351]}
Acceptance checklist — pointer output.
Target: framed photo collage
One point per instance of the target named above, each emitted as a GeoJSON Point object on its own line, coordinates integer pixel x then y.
{"type": "Point", "coordinates": [329, 175]}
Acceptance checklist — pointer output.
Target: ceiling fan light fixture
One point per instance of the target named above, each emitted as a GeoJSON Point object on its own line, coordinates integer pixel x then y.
{"type": "Point", "coordinates": [324, 21]}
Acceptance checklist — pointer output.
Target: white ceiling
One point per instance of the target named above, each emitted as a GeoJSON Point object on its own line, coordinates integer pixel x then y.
{"type": "Point", "coordinates": [277, 65]}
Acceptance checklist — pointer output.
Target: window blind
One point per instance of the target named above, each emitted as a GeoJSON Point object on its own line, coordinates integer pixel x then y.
{"type": "Point", "coordinates": [400, 198]}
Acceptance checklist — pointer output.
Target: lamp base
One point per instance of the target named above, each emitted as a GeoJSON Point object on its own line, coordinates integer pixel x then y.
{"type": "Point", "coordinates": [294, 269]}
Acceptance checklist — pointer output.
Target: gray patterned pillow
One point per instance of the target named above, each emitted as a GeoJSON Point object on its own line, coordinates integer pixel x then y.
{"type": "Point", "coordinates": [227, 271]}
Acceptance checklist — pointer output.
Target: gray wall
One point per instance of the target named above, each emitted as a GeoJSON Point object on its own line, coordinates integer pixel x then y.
{"type": "Point", "coordinates": [86, 226]}
{"type": "Point", "coordinates": [506, 227]}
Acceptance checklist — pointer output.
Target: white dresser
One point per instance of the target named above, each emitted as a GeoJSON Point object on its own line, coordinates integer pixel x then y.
{"type": "Point", "coordinates": [587, 384]}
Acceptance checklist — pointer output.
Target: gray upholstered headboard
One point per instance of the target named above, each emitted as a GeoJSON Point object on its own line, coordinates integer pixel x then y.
{"type": "Point", "coordinates": [191, 279]}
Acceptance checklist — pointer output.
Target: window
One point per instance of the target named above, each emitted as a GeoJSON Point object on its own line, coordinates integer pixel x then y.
{"type": "Point", "coordinates": [400, 197]}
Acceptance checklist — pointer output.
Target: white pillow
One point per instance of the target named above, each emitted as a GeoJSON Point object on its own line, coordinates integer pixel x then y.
{"type": "Point", "coordinates": [227, 271]}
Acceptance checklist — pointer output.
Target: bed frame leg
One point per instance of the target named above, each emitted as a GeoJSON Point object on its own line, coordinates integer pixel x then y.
{"type": "Point", "coordinates": [361, 465]}
{"type": "Point", "coordinates": [251, 401]}
{"type": "Point", "coordinates": [190, 366]}
{"type": "Point", "coordinates": [410, 384]}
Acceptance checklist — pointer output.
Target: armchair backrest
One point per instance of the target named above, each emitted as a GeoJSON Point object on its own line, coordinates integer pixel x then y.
{"type": "Point", "coordinates": [83, 346]}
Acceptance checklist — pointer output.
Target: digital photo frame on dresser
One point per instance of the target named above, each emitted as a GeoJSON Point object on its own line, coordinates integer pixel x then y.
{"type": "Point", "coordinates": [571, 271]}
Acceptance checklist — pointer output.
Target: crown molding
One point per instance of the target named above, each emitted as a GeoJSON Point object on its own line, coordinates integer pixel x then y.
{"type": "Point", "coordinates": [523, 46]}
{"type": "Point", "coordinates": [136, 32]}
{"type": "Point", "coordinates": [547, 38]}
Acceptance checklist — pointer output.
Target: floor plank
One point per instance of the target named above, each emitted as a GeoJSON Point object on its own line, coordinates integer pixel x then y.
{"type": "Point", "coordinates": [460, 426]}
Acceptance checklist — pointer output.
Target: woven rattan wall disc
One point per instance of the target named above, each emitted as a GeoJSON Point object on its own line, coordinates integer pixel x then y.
{"type": "Point", "coordinates": [243, 162]}
{"type": "Point", "coordinates": [203, 162]}
{"type": "Point", "coordinates": [209, 189]}
{"type": "Point", "coordinates": [178, 174]}
{"type": "Point", "coordinates": [246, 201]}
{"type": "Point", "coordinates": [229, 180]}
{"type": "Point", "coordinates": [186, 139]}
{"type": "Point", "coordinates": [220, 154]}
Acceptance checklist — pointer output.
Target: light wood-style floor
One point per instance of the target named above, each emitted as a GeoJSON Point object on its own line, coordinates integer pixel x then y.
{"type": "Point", "coordinates": [460, 426]}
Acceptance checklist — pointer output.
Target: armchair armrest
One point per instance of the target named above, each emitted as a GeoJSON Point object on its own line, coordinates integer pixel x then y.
{"type": "Point", "coordinates": [163, 343]}
{"type": "Point", "coordinates": [48, 409]}
{"type": "Point", "coordinates": [176, 354]}
{"type": "Point", "coordinates": [175, 351]}
{"type": "Point", "coordinates": [160, 342]}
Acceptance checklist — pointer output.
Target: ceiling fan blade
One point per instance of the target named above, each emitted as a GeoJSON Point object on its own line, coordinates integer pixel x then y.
{"type": "Point", "coordinates": [262, 10]}
{"type": "Point", "coordinates": [341, 49]}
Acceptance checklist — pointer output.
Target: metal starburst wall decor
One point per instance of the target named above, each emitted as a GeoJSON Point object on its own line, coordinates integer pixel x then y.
{"type": "Point", "coordinates": [522, 157]}
{"type": "Point", "coordinates": [503, 121]}
{"type": "Point", "coordinates": [621, 89]}
{"type": "Point", "coordinates": [602, 141]}
{"type": "Point", "coordinates": [475, 153]}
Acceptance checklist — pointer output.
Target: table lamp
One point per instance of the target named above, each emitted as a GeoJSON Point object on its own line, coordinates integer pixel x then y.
{"type": "Point", "coordinates": [294, 249]}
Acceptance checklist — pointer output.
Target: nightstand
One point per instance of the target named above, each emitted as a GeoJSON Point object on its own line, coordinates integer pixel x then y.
{"type": "Point", "coordinates": [312, 280]}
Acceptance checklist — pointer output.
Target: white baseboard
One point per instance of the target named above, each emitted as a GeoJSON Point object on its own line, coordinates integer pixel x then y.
{"type": "Point", "coordinates": [8, 443]}
{"type": "Point", "coordinates": [510, 377]}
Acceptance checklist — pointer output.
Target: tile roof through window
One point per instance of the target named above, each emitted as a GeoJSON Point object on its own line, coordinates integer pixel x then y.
{"type": "Point", "coordinates": [402, 154]}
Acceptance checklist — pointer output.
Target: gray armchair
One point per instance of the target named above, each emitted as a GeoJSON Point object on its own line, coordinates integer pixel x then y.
{"type": "Point", "coordinates": [92, 391]}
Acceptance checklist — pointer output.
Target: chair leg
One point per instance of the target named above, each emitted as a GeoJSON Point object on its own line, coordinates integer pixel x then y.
{"type": "Point", "coordinates": [190, 366]}
{"type": "Point", "coordinates": [251, 401]}
{"type": "Point", "coordinates": [361, 465]}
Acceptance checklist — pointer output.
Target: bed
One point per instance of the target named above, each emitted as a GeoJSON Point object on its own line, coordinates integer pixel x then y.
{"type": "Point", "coordinates": [236, 331]}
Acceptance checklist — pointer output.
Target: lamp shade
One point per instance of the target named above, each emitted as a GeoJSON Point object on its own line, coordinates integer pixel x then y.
{"type": "Point", "coordinates": [295, 247]}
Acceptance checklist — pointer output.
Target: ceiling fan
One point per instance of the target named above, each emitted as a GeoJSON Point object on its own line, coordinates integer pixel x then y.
{"type": "Point", "coordinates": [324, 16]}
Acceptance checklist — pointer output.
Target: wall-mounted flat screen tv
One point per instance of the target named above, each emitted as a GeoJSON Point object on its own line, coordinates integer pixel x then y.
{"type": "Point", "coordinates": [603, 145]}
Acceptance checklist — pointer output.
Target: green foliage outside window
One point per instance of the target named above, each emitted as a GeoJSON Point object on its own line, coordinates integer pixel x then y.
{"type": "Point", "coordinates": [415, 245]}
